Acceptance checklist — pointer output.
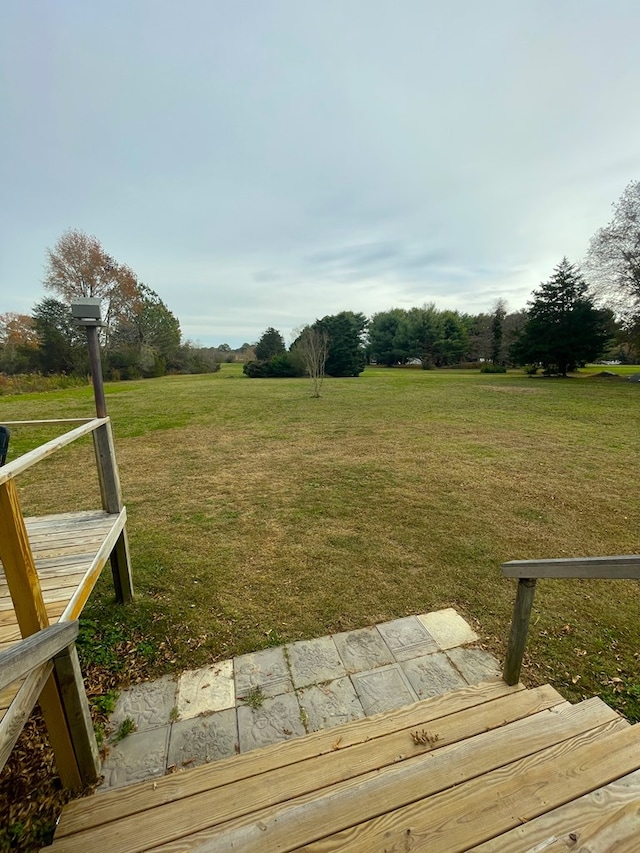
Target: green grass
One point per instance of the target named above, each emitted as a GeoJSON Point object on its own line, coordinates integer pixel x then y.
{"type": "Point", "coordinates": [258, 514]}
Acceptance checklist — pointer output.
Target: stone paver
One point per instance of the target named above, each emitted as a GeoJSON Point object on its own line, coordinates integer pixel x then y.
{"type": "Point", "coordinates": [148, 704]}
{"type": "Point", "coordinates": [432, 675]}
{"type": "Point", "coordinates": [475, 664]}
{"type": "Point", "coordinates": [330, 704]}
{"type": "Point", "coordinates": [383, 689]}
{"type": "Point", "coordinates": [448, 628]}
{"type": "Point", "coordinates": [407, 638]}
{"type": "Point", "coordinates": [277, 693]}
{"type": "Point", "coordinates": [275, 720]}
{"type": "Point", "coordinates": [203, 739]}
{"type": "Point", "coordinates": [363, 649]}
{"type": "Point", "coordinates": [314, 661]}
{"type": "Point", "coordinates": [201, 691]}
{"type": "Point", "coordinates": [138, 756]}
{"type": "Point", "coordinates": [266, 669]}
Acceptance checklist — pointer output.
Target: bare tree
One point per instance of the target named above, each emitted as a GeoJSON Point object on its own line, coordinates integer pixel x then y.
{"type": "Point", "coordinates": [78, 267]}
{"type": "Point", "coordinates": [613, 262]}
{"type": "Point", "coordinates": [312, 345]}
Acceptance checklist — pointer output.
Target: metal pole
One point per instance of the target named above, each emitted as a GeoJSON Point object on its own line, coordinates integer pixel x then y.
{"type": "Point", "coordinates": [96, 371]}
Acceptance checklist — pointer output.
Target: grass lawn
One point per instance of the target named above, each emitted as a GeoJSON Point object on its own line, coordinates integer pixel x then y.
{"type": "Point", "coordinates": [258, 514]}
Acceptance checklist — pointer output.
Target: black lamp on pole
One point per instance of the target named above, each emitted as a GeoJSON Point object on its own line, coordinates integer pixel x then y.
{"type": "Point", "coordinates": [86, 312]}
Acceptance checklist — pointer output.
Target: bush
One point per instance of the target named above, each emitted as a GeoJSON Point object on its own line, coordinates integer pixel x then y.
{"type": "Point", "coordinates": [462, 365]}
{"type": "Point", "coordinates": [280, 366]}
{"type": "Point", "coordinates": [531, 369]}
{"type": "Point", "coordinates": [28, 383]}
{"type": "Point", "coordinates": [493, 368]}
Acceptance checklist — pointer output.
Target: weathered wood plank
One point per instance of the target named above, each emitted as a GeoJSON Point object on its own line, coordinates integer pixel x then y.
{"type": "Point", "coordinates": [359, 764]}
{"type": "Point", "coordinates": [576, 816]}
{"type": "Point", "coordinates": [21, 706]}
{"type": "Point", "coordinates": [485, 807]}
{"type": "Point", "coordinates": [308, 818]}
{"type": "Point", "coordinates": [35, 650]}
{"type": "Point", "coordinates": [79, 597]}
{"type": "Point", "coordinates": [519, 630]}
{"type": "Point", "coordinates": [76, 708]}
{"type": "Point", "coordinates": [626, 566]}
{"type": "Point", "coordinates": [49, 421]}
{"type": "Point", "coordinates": [17, 561]}
{"type": "Point", "coordinates": [112, 502]}
{"type": "Point", "coordinates": [108, 806]}
{"type": "Point", "coordinates": [22, 463]}
{"type": "Point", "coordinates": [35, 521]}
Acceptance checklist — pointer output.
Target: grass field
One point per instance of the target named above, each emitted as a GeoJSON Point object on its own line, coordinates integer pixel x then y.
{"type": "Point", "coordinates": [258, 514]}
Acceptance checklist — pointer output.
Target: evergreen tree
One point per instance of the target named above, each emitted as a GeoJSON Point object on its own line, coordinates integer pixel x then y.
{"type": "Point", "coordinates": [346, 355]}
{"type": "Point", "coordinates": [563, 328]}
{"type": "Point", "coordinates": [271, 343]}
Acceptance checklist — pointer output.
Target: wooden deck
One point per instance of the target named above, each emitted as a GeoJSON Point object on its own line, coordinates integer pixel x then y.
{"type": "Point", "coordinates": [69, 551]}
{"type": "Point", "coordinates": [489, 768]}
{"type": "Point", "coordinates": [48, 567]}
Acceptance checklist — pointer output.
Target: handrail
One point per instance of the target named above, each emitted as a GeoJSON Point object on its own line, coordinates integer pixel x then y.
{"type": "Point", "coordinates": [48, 421]}
{"type": "Point", "coordinates": [50, 650]}
{"type": "Point", "coordinates": [624, 566]}
{"type": "Point", "coordinates": [18, 661]}
{"type": "Point", "coordinates": [22, 463]}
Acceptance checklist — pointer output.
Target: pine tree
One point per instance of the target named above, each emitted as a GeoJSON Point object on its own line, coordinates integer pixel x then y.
{"type": "Point", "coordinates": [563, 329]}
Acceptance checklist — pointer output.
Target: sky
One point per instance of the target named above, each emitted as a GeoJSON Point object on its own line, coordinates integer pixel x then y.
{"type": "Point", "coordinates": [267, 162]}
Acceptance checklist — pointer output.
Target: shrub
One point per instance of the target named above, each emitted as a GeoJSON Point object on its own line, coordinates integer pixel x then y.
{"type": "Point", "coordinates": [493, 368]}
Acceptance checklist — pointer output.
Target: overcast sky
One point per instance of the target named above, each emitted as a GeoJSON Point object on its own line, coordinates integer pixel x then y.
{"type": "Point", "coordinates": [266, 162]}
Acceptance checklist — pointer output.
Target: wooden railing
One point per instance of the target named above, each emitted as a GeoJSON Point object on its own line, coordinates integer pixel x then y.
{"type": "Point", "coordinates": [110, 490]}
{"type": "Point", "coordinates": [49, 652]}
{"type": "Point", "coordinates": [69, 732]}
{"type": "Point", "coordinates": [528, 572]}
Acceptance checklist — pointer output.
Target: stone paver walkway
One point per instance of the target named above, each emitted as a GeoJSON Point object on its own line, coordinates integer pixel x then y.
{"type": "Point", "coordinates": [282, 692]}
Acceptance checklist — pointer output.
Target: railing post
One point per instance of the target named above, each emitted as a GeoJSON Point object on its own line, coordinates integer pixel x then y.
{"type": "Point", "coordinates": [519, 629]}
{"type": "Point", "coordinates": [76, 708]}
{"type": "Point", "coordinates": [112, 502]}
{"type": "Point", "coordinates": [26, 593]}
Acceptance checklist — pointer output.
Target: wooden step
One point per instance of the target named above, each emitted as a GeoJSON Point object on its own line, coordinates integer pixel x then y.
{"type": "Point", "coordinates": [361, 785]}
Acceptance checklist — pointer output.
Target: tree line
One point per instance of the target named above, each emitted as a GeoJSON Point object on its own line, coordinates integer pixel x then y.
{"type": "Point", "coordinates": [572, 318]}
{"type": "Point", "coordinates": [567, 323]}
{"type": "Point", "coordinates": [140, 337]}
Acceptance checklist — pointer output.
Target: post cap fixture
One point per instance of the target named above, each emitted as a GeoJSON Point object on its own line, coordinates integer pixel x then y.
{"type": "Point", "coordinates": [86, 312]}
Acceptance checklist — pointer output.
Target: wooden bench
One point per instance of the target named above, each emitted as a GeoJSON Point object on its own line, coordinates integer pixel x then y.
{"type": "Point", "coordinates": [48, 567]}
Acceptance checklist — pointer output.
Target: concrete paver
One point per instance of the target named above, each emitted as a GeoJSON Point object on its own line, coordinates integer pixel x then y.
{"type": "Point", "coordinates": [448, 628]}
{"type": "Point", "coordinates": [475, 664]}
{"type": "Point", "coordinates": [383, 689]}
{"type": "Point", "coordinates": [148, 704]}
{"type": "Point", "coordinates": [331, 704]}
{"type": "Point", "coordinates": [201, 739]}
{"type": "Point", "coordinates": [407, 638]}
{"type": "Point", "coordinates": [141, 755]}
{"type": "Point", "coordinates": [201, 691]}
{"type": "Point", "coordinates": [314, 661]}
{"type": "Point", "coordinates": [363, 649]}
{"type": "Point", "coordinates": [278, 693]}
{"type": "Point", "coordinates": [266, 670]}
{"type": "Point", "coordinates": [276, 719]}
{"type": "Point", "coordinates": [431, 675]}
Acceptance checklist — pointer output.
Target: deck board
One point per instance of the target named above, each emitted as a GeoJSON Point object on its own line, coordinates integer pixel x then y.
{"type": "Point", "coordinates": [505, 761]}
{"type": "Point", "coordinates": [69, 552]}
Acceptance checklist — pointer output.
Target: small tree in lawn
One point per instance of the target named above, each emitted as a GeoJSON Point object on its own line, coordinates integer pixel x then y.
{"type": "Point", "coordinates": [312, 346]}
{"type": "Point", "coordinates": [563, 328]}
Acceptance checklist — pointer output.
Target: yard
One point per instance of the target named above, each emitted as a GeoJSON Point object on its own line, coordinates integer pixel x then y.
{"type": "Point", "coordinates": [258, 514]}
